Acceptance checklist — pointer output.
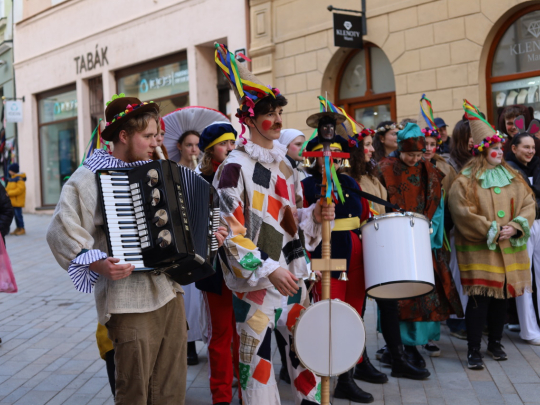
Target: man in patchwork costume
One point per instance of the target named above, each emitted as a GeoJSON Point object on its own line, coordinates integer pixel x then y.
{"type": "Point", "coordinates": [262, 204]}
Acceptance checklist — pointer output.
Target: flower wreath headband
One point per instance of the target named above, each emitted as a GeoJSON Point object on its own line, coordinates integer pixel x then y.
{"type": "Point", "coordinates": [129, 108]}
{"type": "Point", "coordinates": [386, 128]}
{"type": "Point", "coordinates": [248, 91]}
{"type": "Point", "coordinates": [431, 130]}
{"type": "Point", "coordinates": [473, 114]}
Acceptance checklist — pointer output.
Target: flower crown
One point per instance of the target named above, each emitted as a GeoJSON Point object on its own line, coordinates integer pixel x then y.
{"type": "Point", "coordinates": [129, 108]}
{"type": "Point", "coordinates": [432, 133]}
{"type": "Point", "coordinates": [487, 142]}
{"type": "Point", "coordinates": [359, 137]}
{"type": "Point", "coordinates": [386, 128]}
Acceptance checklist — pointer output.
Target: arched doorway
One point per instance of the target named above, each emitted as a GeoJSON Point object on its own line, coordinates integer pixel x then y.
{"type": "Point", "coordinates": [366, 86]}
{"type": "Point", "coordinates": [513, 64]}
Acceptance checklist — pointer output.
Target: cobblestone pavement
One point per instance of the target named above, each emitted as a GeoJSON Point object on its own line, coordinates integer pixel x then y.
{"type": "Point", "coordinates": [49, 354]}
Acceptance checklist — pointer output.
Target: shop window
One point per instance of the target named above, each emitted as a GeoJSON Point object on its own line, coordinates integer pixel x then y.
{"type": "Point", "coordinates": [513, 68]}
{"type": "Point", "coordinates": [366, 86]}
{"type": "Point", "coordinates": [164, 81]}
{"type": "Point", "coordinates": [95, 87]}
{"type": "Point", "coordinates": [57, 113]}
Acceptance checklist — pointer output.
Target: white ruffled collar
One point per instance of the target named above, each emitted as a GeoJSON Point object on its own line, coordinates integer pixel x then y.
{"type": "Point", "coordinates": [263, 155]}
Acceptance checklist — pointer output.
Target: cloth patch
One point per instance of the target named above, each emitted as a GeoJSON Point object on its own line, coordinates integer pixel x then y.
{"type": "Point", "coordinates": [258, 322]}
{"type": "Point", "coordinates": [295, 362]}
{"type": "Point", "coordinates": [261, 175]}
{"type": "Point", "coordinates": [262, 372]}
{"type": "Point", "coordinates": [281, 188]}
{"type": "Point", "coordinates": [241, 309]}
{"type": "Point", "coordinates": [318, 394]}
{"type": "Point", "coordinates": [278, 315]}
{"type": "Point", "coordinates": [227, 203]}
{"type": "Point", "coordinates": [308, 402]}
{"type": "Point", "coordinates": [237, 272]}
{"type": "Point", "coordinates": [248, 344]}
{"type": "Point", "coordinates": [240, 295]}
{"type": "Point", "coordinates": [257, 296]}
{"type": "Point", "coordinates": [273, 207]}
{"type": "Point", "coordinates": [279, 338]}
{"type": "Point", "coordinates": [295, 299]}
{"type": "Point", "coordinates": [250, 262]}
{"type": "Point", "coordinates": [264, 351]}
{"type": "Point", "coordinates": [270, 241]}
{"type": "Point", "coordinates": [288, 223]}
{"type": "Point", "coordinates": [293, 250]}
{"type": "Point", "coordinates": [285, 169]}
{"type": "Point", "coordinates": [294, 313]}
{"type": "Point", "coordinates": [253, 225]}
{"type": "Point", "coordinates": [229, 176]}
{"type": "Point", "coordinates": [244, 375]}
{"type": "Point", "coordinates": [239, 215]}
{"type": "Point", "coordinates": [305, 382]}
{"type": "Point", "coordinates": [236, 228]}
{"type": "Point", "coordinates": [244, 242]}
{"type": "Point", "coordinates": [258, 200]}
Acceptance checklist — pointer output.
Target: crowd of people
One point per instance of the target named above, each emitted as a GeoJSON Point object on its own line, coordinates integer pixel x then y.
{"type": "Point", "coordinates": [477, 188]}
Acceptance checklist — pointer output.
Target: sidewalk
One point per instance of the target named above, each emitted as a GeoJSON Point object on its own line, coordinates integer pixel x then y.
{"type": "Point", "coordinates": [49, 354]}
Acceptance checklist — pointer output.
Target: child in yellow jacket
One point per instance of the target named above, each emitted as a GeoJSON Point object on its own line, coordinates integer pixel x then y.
{"type": "Point", "coordinates": [16, 189]}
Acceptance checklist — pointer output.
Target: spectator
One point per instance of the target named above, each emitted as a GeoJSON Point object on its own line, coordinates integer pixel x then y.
{"type": "Point", "coordinates": [461, 146]}
{"type": "Point", "coordinates": [16, 190]}
{"type": "Point", "coordinates": [6, 212]}
{"type": "Point", "coordinates": [505, 121]}
{"type": "Point", "coordinates": [444, 148]}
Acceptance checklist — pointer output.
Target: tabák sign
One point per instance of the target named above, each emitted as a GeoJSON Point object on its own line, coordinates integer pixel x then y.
{"type": "Point", "coordinates": [348, 31]}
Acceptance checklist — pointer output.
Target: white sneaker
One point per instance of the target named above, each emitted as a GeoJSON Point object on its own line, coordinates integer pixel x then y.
{"type": "Point", "coordinates": [535, 342]}
{"type": "Point", "coordinates": [514, 327]}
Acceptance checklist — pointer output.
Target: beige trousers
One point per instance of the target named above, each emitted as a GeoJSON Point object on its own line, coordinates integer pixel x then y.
{"type": "Point", "coordinates": [150, 353]}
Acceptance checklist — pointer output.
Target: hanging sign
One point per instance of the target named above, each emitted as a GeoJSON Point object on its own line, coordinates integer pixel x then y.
{"type": "Point", "coordinates": [348, 31]}
{"type": "Point", "coordinates": [13, 111]}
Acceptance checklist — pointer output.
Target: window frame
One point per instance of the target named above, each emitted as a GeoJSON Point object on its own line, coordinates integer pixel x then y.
{"type": "Point", "coordinates": [490, 80]}
{"type": "Point", "coordinates": [369, 99]}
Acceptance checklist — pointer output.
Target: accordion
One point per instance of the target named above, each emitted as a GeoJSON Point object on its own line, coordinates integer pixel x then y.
{"type": "Point", "coordinates": [160, 217]}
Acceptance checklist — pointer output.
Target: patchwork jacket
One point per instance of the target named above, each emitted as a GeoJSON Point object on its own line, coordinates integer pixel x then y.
{"type": "Point", "coordinates": [261, 203]}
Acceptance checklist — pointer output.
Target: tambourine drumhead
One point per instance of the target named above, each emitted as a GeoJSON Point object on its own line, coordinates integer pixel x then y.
{"type": "Point", "coordinates": [397, 256]}
{"type": "Point", "coordinates": [329, 337]}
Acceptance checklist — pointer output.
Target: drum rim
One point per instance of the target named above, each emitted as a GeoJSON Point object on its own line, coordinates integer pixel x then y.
{"type": "Point", "coordinates": [400, 282]}
{"type": "Point", "coordinates": [296, 341]}
{"type": "Point", "coordinates": [396, 215]}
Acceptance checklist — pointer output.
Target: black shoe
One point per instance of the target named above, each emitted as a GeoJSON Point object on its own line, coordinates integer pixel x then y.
{"type": "Point", "coordinates": [415, 357]}
{"type": "Point", "coordinates": [192, 357]}
{"type": "Point", "coordinates": [401, 367]}
{"type": "Point", "coordinates": [284, 375]}
{"type": "Point", "coordinates": [474, 359]}
{"type": "Point", "coordinates": [224, 403]}
{"type": "Point", "coordinates": [346, 388]}
{"type": "Point", "coordinates": [365, 371]}
{"type": "Point", "coordinates": [386, 358]}
{"type": "Point", "coordinates": [496, 351]}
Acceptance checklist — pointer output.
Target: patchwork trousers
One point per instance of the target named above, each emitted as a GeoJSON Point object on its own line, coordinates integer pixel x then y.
{"type": "Point", "coordinates": [257, 313]}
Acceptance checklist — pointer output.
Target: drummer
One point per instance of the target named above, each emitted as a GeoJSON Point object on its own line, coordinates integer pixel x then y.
{"type": "Point", "coordinates": [345, 244]}
{"type": "Point", "coordinates": [414, 184]}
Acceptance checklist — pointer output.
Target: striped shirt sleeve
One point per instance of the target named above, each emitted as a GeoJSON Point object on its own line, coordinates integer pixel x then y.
{"type": "Point", "coordinates": [83, 278]}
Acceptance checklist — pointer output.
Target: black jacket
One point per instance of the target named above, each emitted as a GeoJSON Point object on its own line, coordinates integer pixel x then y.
{"type": "Point", "coordinates": [6, 212]}
{"type": "Point", "coordinates": [529, 172]}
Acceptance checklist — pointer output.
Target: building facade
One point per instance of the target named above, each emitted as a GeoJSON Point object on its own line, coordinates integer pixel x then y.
{"type": "Point", "coordinates": [485, 51]}
{"type": "Point", "coordinates": [159, 50]}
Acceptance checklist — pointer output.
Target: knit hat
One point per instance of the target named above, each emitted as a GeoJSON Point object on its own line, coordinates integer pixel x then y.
{"type": "Point", "coordinates": [411, 139]}
{"type": "Point", "coordinates": [216, 133]}
{"type": "Point", "coordinates": [14, 167]}
{"type": "Point", "coordinates": [120, 109]}
{"type": "Point", "coordinates": [289, 135]}
{"type": "Point", "coordinates": [482, 132]}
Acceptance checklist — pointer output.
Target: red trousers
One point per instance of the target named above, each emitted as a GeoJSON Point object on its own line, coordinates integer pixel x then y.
{"type": "Point", "coordinates": [353, 292]}
{"type": "Point", "coordinates": [221, 333]}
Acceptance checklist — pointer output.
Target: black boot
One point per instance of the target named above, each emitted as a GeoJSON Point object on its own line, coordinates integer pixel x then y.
{"type": "Point", "coordinates": [346, 388]}
{"type": "Point", "coordinates": [365, 371]}
{"type": "Point", "coordinates": [414, 356]}
{"type": "Point", "coordinates": [192, 357]}
{"type": "Point", "coordinates": [402, 368]}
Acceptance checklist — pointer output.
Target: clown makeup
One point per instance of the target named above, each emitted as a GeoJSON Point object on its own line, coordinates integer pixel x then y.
{"type": "Point", "coordinates": [525, 150]}
{"type": "Point", "coordinates": [221, 150]}
{"type": "Point", "coordinates": [411, 158]}
{"type": "Point", "coordinates": [431, 147]}
{"type": "Point", "coordinates": [368, 147]}
{"type": "Point", "coordinates": [494, 154]}
{"type": "Point", "coordinates": [266, 128]}
{"type": "Point", "coordinates": [471, 144]}
{"type": "Point", "coordinates": [293, 150]}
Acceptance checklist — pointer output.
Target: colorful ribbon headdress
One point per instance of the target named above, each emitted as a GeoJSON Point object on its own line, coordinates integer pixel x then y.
{"type": "Point", "coordinates": [482, 132]}
{"type": "Point", "coordinates": [426, 117]}
{"type": "Point", "coordinates": [248, 89]}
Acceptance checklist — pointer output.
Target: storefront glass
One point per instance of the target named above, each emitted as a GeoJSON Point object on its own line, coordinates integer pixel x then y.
{"type": "Point", "coordinates": [57, 142]}
{"type": "Point", "coordinates": [515, 67]}
{"type": "Point", "coordinates": [168, 85]}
